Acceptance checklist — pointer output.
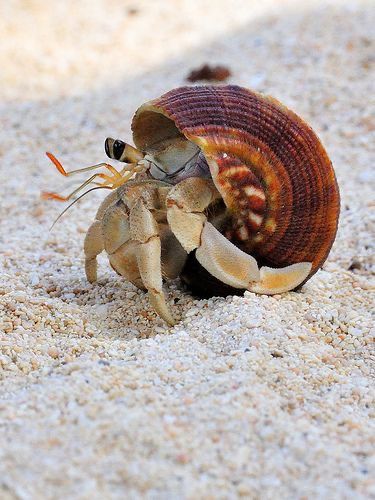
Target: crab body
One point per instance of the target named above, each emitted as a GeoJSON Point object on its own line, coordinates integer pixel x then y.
{"type": "Point", "coordinates": [233, 179]}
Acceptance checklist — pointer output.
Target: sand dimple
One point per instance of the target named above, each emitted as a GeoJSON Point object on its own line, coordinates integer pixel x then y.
{"type": "Point", "coordinates": [254, 396]}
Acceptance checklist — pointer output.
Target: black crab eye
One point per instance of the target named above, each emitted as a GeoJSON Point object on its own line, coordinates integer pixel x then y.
{"type": "Point", "coordinates": [118, 149]}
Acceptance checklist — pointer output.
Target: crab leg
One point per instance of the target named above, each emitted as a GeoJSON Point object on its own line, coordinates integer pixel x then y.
{"type": "Point", "coordinates": [93, 246]}
{"type": "Point", "coordinates": [144, 230]}
{"type": "Point", "coordinates": [221, 258]}
{"type": "Point", "coordinates": [185, 203]}
{"type": "Point", "coordinates": [121, 250]}
{"type": "Point", "coordinates": [94, 243]}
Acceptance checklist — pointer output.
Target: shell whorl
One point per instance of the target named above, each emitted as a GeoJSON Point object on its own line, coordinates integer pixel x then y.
{"type": "Point", "coordinates": [270, 167]}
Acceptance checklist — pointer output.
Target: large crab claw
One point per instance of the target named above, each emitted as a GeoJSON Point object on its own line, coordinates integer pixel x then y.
{"type": "Point", "coordinates": [221, 258]}
{"type": "Point", "coordinates": [234, 267]}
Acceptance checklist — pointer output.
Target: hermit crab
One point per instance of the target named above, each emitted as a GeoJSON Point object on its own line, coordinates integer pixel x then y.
{"type": "Point", "coordinates": [226, 187]}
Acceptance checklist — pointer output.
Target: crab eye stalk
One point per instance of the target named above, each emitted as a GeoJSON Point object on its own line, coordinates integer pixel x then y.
{"type": "Point", "coordinates": [121, 151]}
{"type": "Point", "coordinates": [114, 148]}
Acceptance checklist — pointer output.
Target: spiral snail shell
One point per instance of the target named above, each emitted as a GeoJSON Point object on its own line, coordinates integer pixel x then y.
{"type": "Point", "coordinates": [269, 166]}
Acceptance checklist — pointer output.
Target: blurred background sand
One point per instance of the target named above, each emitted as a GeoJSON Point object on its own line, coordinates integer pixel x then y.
{"type": "Point", "coordinates": [254, 396]}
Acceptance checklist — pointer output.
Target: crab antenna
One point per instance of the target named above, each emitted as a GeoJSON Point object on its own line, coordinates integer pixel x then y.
{"type": "Point", "coordinates": [54, 196]}
{"type": "Point", "coordinates": [75, 201]}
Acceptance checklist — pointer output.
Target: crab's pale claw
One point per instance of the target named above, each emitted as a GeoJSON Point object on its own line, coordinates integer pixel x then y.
{"type": "Point", "coordinates": [224, 260]}
{"type": "Point", "coordinates": [186, 202]}
{"type": "Point", "coordinates": [221, 258]}
{"type": "Point", "coordinates": [116, 228]}
{"type": "Point", "coordinates": [234, 267]}
{"type": "Point", "coordinates": [144, 230]}
{"type": "Point", "coordinates": [281, 280]}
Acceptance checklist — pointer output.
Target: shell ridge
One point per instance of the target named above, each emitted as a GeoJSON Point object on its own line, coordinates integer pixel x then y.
{"type": "Point", "coordinates": [278, 148]}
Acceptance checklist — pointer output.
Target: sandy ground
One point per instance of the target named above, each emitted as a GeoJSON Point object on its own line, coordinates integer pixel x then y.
{"type": "Point", "coordinates": [254, 396]}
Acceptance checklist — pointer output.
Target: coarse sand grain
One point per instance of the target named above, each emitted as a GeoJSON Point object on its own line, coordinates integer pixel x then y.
{"type": "Point", "coordinates": [254, 396]}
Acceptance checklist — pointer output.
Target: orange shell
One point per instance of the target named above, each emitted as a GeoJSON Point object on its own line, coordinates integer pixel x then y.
{"type": "Point", "coordinates": [272, 171]}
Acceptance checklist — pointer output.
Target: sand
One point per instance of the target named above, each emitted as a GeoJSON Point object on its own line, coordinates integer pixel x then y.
{"type": "Point", "coordinates": [254, 396]}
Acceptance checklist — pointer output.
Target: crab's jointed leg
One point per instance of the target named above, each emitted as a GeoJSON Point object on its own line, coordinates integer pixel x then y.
{"type": "Point", "coordinates": [144, 230]}
{"type": "Point", "coordinates": [94, 243]}
{"type": "Point", "coordinates": [126, 228]}
{"type": "Point", "coordinates": [221, 258]}
{"type": "Point", "coordinates": [93, 246]}
{"type": "Point", "coordinates": [111, 232]}
{"type": "Point", "coordinates": [121, 250]}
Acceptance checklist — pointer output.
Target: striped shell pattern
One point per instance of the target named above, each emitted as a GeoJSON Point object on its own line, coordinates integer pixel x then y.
{"type": "Point", "coordinates": [269, 166]}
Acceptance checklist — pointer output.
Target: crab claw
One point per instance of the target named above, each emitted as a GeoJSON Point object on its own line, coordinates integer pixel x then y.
{"type": "Point", "coordinates": [281, 280]}
{"type": "Point", "coordinates": [225, 261]}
